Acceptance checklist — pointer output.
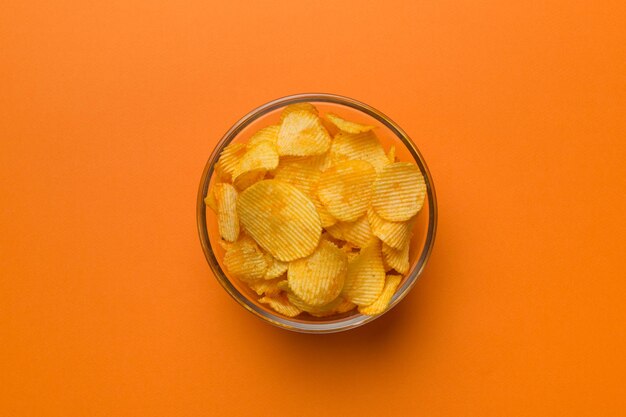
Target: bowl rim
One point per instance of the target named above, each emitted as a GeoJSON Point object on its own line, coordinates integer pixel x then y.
{"type": "Point", "coordinates": [330, 326]}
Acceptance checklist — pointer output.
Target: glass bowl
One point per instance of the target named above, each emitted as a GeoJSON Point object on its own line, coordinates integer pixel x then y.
{"type": "Point", "coordinates": [389, 133]}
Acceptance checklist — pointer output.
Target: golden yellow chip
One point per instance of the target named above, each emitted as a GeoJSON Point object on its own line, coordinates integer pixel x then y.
{"type": "Point", "coordinates": [302, 133]}
{"type": "Point", "coordinates": [318, 311]}
{"type": "Point", "coordinates": [318, 278]}
{"type": "Point", "coordinates": [394, 234]}
{"type": "Point", "coordinates": [344, 306]}
{"type": "Point", "coordinates": [267, 134]}
{"type": "Point", "coordinates": [281, 218]}
{"type": "Point", "coordinates": [366, 276]}
{"type": "Point", "coordinates": [225, 245]}
{"type": "Point", "coordinates": [262, 156]}
{"type": "Point", "coordinates": [399, 192]}
{"type": "Point", "coordinates": [229, 158]}
{"type": "Point", "coordinates": [357, 232]}
{"type": "Point", "coordinates": [398, 259]}
{"type": "Point", "coordinates": [275, 268]}
{"type": "Point", "coordinates": [245, 261]}
{"type": "Point", "coordinates": [325, 217]}
{"type": "Point", "coordinates": [345, 189]}
{"type": "Point", "coordinates": [281, 304]}
{"type": "Point", "coordinates": [227, 219]}
{"type": "Point", "coordinates": [335, 231]}
{"type": "Point", "coordinates": [246, 179]}
{"type": "Point", "coordinates": [267, 287]}
{"type": "Point", "coordinates": [283, 285]}
{"type": "Point", "coordinates": [391, 155]}
{"type": "Point", "coordinates": [299, 173]}
{"type": "Point", "coordinates": [361, 146]}
{"type": "Point", "coordinates": [347, 126]}
{"type": "Point", "coordinates": [298, 107]}
{"type": "Point", "coordinates": [210, 200]}
{"type": "Point", "coordinates": [338, 306]}
{"type": "Point", "coordinates": [382, 302]}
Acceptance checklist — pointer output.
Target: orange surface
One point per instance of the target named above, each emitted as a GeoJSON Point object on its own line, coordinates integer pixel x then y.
{"type": "Point", "coordinates": [108, 111]}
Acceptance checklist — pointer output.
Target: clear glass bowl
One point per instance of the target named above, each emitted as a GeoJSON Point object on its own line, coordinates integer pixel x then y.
{"type": "Point", "coordinates": [389, 134]}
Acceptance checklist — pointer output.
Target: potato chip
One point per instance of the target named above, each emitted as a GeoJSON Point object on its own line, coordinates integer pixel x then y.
{"type": "Point", "coordinates": [298, 107]}
{"type": "Point", "coordinates": [283, 285]}
{"type": "Point", "coordinates": [228, 160]}
{"type": "Point", "coordinates": [344, 306]}
{"type": "Point", "coordinates": [249, 178]}
{"type": "Point", "coordinates": [335, 231]}
{"type": "Point", "coordinates": [352, 255]}
{"type": "Point", "coordinates": [338, 306]}
{"type": "Point", "coordinates": [267, 134]}
{"type": "Point", "coordinates": [398, 259]}
{"type": "Point", "coordinates": [281, 304]}
{"type": "Point", "coordinates": [382, 302]}
{"type": "Point", "coordinates": [346, 126]}
{"type": "Point", "coordinates": [210, 200]}
{"type": "Point", "coordinates": [345, 189]}
{"type": "Point", "coordinates": [281, 218]}
{"type": "Point", "coordinates": [366, 276]}
{"type": "Point", "coordinates": [325, 217]}
{"type": "Point", "coordinates": [275, 268]}
{"type": "Point", "coordinates": [318, 311]}
{"type": "Point", "coordinates": [227, 219]}
{"type": "Point", "coordinates": [262, 156]}
{"type": "Point", "coordinates": [391, 155]}
{"type": "Point", "coordinates": [302, 133]}
{"type": "Point", "coordinates": [267, 287]}
{"type": "Point", "coordinates": [399, 192]}
{"type": "Point", "coordinates": [361, 146]}
{"type": "Point", "coordinates": [318, 278]}
{"type": "Point", "coordinates": [357, 232]}
{"type": "Point", "coordinates": [299, 173]}
{"type": "Point", "coordinates": [394, 234]}
{"type": "Point", "coordinates": [245, 261]}
{"type": "Point", "coordinates": [225, 245]}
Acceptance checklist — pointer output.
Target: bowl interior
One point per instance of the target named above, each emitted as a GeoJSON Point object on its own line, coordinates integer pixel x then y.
{"type": "Point", "coordinates": [423, 230]}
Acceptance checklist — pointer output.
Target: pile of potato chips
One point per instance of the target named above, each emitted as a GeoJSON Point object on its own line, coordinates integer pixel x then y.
{"type": "Point", "coordinates": [313, 221]}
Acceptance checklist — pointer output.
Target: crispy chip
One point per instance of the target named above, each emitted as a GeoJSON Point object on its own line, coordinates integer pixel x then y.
{"type": "Point", "coordinates": [360, 146]}
{"type": "Point", "coordinates": [394, 234]}
{"type": "Point", "coordinates": [398, 259]}
{"type": "Point", "coordinates": [210, 200]}
{"type": "Point", "coordinates": [275, 268]}
{"type": "Point", "coordinates": [225, 245]}
{"type": "Point", "coordinates": [267, 287]}
{"type": "Point", "coordinates": [382, 302]}
{"type": "Point", "coordinates": [262, 156]}
{"type": "Point", "coordinates": [399, 192]}
{"type": "Point", "coordinates": [227, 219]}
{"type": "Point", "coordinates": [229, 159]}
{"type": "Point", "coordinates": [357, 232]}
{"type": "Point", "coordinates": [302, 133]}
{"type": "Point", "coordinates": [283, 285]}
{"type": "Point", "coordinates": [345, 189]}
{"type": "Point", "coordinates": [298, 107]}
{"type": "Point", "coordinates": [300, 173]}
{"type": "Point", "coordinates": [344, 306]}
{"type": "Point", "coordinates": [391, 155]}
{"type": "Point", "coordinates": [366, 276]}
{"type": "Point", "coordinates": [245, 261]}
{"type": "Point", "coordinates": [325, 217]}
{"type": "Point", "coordinates": [338, 306]}
{"type": "Point", "coordinates": [318, 278]}
{"type": "Point", "coordinates": [281, 304]}
{"type": "Point", "coordinates": [249, 178]}
{"type": "Point", "coordinates": [267, 134]}
{"type": "Point", "coordinates": [281, 218]}
{"type": "Point", "coordinates": [346, 126]}
{"type": "Point", "coordinates": [318, 311]}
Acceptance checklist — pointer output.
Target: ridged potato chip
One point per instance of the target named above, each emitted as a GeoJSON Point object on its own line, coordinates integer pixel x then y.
{"type": "Point", "coordinates": [366, 276]}
{"type": "Point", "coordinates": [382, 302]}
{"type": "Point", "coordinates": [318, 278]}
{"type": "Point", "coordinates": [210, 200]}
{"type": "Point", "coordinates": [267, 134]}
{"type": "Point", "coordinates": [394, 234]}
{"type": "Point", "coordinates": [398, 259]}
{"type": "Point", "coordinates": [318, 311]}
{"type": "Point", "coordinates": [245, 261]}
{"type": "Point", "coordinates": [399, 192]}
{"type": "Point", "coordinates": [229, 158]}
{"type": "Point", "coordinates": [227, 218]}
{"type": "Point", "coordinates": [281, 304]}
{"type": "Point", "coordinates": [298, 107]}
{"type": "Point", "coordinates": [357, 232]}
{"type": "Point", "coordinates": [275, 268]}
{"type": "Point", "coordinates": [361, 146]}
{"type": "Point", "coordinates": [335, 231]}
{"type": "Point", "coordinates": [262, 156]}
{"type": "Point", "coordinates": [249, 178]}
{"type": "Point", "coordinates": [346, 126]}
{"type": "Point", "coordinates": [325, 217]}
{"type": "Point", "coordinates": [300, 173]}
{"type": "Point", "coordinates": [302, 133]}
{"type": "Point", "coordinates": [338, 306]}
{"type": "Point", "coordinates": [391, 155]}
{"type": "Point", "coordinates": [345, 189]}
{"type": "Point", "coordinates": [281, 218]}
{"type": "Point", "coordinates": [267, 287]}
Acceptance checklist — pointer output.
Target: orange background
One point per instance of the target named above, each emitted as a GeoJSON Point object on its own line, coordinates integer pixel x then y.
{"type": "Point", "coordinates": [109, 110]}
